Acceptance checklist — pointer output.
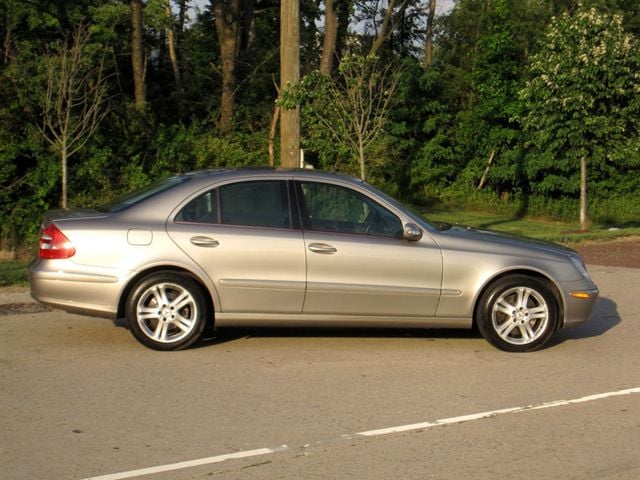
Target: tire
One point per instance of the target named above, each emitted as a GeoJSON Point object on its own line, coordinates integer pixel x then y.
{"type": "Point", "coordinates": [167, 311]}
{"type": "Point", "coordinates": [517, 313]}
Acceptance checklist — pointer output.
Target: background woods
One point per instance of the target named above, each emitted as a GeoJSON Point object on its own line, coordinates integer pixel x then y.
{"type": "Point", "coordinates": [523, 105]}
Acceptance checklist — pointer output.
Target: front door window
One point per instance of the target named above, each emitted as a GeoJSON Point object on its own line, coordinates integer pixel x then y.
{"type": "Point", "coordinates": [331, 208]}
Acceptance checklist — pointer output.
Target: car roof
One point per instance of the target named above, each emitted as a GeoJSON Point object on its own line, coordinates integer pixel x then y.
{"type": "Point", "coordinates": [203, 179]}
{"type": "Point", "coordinates": [271, 171]}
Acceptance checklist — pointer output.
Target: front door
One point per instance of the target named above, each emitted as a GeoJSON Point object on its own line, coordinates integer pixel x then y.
{"type": "Point", "coordinates": [357, 261]}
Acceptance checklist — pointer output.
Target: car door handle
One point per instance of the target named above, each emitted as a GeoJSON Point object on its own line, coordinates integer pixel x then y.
{"type": "Point", "coordinates": [322, 248]}
{"type": "Point", "coordinates": [204, 242]}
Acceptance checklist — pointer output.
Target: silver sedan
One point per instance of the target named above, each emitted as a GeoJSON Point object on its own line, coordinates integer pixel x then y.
{"type": "Point", "coordinates": [299, 248]}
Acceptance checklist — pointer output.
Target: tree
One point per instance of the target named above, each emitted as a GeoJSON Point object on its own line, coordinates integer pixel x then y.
{"type": "Point", "coordinates": [582, 102]}
{"type": "Point", "coordinates": [353, 107]}
{"type": "Point", "coordinates": [74, 102]}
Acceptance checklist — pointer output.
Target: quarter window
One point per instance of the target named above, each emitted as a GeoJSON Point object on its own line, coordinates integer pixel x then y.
{"type": "Point", "coordinates": [203, 209]}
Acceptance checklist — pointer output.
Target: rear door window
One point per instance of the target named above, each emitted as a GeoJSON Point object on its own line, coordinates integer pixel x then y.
{"type": "Point", "coordinates": [255, 203]}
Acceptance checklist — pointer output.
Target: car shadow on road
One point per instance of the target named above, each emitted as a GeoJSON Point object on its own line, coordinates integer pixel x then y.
{"type": "Point", "coordinates": [230, 334]}
{"type": "Point", "coordinates": [212, 337]}
{"type": "Point", "coordinates": [604, 317]}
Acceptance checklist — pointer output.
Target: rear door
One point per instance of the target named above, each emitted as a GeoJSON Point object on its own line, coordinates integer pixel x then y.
{"type": "Point", "coordinates": [244, 236]}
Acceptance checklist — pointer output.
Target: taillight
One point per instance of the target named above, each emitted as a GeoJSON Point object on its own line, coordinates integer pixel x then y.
{"type": "Point", "coordinates": [54, 245]}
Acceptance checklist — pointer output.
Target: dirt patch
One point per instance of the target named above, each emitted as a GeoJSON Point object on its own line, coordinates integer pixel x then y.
{"type": "Point", "coordinates": [22, 308]}
{"type": "Point", "coordinates": [624, 252]}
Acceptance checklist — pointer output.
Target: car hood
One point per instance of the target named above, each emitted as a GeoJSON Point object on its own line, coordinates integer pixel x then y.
{"type": "Point", "coordinates": [488, 240]}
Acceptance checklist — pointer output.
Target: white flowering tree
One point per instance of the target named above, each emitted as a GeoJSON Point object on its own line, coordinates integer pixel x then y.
{"type": "Point", "coordinates": [582, 101]}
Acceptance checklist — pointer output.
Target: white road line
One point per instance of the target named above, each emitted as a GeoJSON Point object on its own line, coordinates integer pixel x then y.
{"type": "Point", "coordinates": [495, 413]}
{"type": "Point", "coordinates": [187, 464]}
{"type": "Point", "coordinates": [369, 433]}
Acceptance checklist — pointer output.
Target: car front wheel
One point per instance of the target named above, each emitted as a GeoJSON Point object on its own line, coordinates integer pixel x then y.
{"type": "Point", "coordinates": [166, 311]}
{"type": "Point", "coordinates": [517, 313]}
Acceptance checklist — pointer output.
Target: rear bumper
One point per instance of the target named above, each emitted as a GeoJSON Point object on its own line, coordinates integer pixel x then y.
{"type": "Point", "coordinates": [93, 293]}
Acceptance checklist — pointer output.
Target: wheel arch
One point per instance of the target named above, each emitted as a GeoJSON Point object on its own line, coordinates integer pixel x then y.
{"type": "Point", "coordinates": [164, 268]}
{"type": "Point", "coordinates": [525, 272]}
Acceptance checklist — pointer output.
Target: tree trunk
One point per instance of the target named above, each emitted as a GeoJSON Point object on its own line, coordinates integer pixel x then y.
{"type": "Point", "coordinates": [182, 17]}
{"type": "Point", "coordinates": [289, 73]}
{"type": "Point", "coordinates": [7, 40]}
{"type": "Point", "coordinates": [248, 24]}
{"type": "Point", "coordinates": [386, 29]}
{"type": "Point", "coordinates": [330, 37]}
{"type": "Point", "coordinates": [584, 220]}
{"type": "Point", "coordinates": [227, 27]}
{"type": "Point", "coordinates": [486, 170]}
{"type": "Point", "coordinates": [428, 43]}
{"type": "Point", "coordinates": [361, 159]}
{"type": "Point", "coordinates": [63, 161]}
{"type": "Point", "coordinates": [171, 40]}
{"type": "Point", "coordinates": [137, 53]}
{"type": "Point", "coordinates": [272, 134]}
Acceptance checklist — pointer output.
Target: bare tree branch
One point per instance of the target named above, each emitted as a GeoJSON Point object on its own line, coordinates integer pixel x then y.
{"type": "Point", "coordinates": [75, 100]}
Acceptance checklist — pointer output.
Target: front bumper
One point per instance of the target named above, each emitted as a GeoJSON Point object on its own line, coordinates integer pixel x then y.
{"type": "Point", "coordinates": [579, 299]}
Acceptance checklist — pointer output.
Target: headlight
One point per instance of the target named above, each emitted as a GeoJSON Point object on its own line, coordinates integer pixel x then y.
{"type": "Point", "coordinates": [579, 264]}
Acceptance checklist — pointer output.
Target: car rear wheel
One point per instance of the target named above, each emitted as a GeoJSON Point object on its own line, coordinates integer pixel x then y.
{"type": "Point", "coordinates": [166, 311]}
{"type": "Point", "coordinates": [517, 313]}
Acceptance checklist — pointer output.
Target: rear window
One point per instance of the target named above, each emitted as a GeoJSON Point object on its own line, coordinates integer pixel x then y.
{"type": "Point", "coordinates": [133, 198]}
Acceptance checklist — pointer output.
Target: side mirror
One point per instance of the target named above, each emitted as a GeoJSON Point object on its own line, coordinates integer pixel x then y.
{"type": "Point", "coordinates": [412, 232]}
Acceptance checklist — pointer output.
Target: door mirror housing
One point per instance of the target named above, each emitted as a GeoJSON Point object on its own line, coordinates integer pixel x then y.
{"type": "Point", "coordinates": [412, 232]}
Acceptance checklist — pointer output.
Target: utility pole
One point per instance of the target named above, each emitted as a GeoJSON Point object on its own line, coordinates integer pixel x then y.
{"type": "Point", "coordinates": [289, 73]}
{"type": "Point", "coordinates": [137, 53]}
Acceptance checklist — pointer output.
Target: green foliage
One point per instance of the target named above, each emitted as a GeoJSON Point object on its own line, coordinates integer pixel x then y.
{"type": "Point", "coordinates": [472, 95]}
{"type": "Point", "coordinates": [438, 133]}
{"type": "Point", "coordinates": [582, 102]}
{"type": "Point", "coordinates": [236, 150]}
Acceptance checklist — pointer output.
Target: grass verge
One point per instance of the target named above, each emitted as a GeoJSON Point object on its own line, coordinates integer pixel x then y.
{"type": "Point", "coordinates": [13, 272]}
{"type": "Point", "coordinates": [540, 228]}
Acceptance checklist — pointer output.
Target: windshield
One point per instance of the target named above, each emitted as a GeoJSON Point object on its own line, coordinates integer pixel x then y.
{"type": "Point", "coordinates": [128, 200]}
{"type": "Point", "coordinates": [417, 214]}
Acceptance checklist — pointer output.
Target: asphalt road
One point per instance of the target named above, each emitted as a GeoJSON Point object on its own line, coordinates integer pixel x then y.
{"type": "Point", "coordinates": [81, 398]}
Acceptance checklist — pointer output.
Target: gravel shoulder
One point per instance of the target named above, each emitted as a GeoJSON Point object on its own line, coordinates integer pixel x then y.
{"type": "Point", "coordinates": [15, 295]}
{"type": "Point", "coordinates": [623, 252]}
